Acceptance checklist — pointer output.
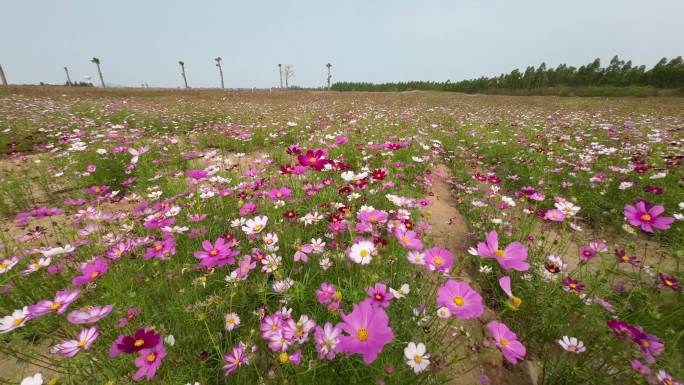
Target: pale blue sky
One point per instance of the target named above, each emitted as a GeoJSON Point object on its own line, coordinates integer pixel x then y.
{"type": "Point", "coordinates": [365, 40]}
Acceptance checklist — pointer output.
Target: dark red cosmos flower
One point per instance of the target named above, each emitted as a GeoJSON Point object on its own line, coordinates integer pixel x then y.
{"type": "Point", "coordinates": [494, 179]}
{"type": "Point", "coordinates": [408, 224]}
{"type": "Point", "coordinates": [290, 214]}
{"type": "Point", "coordinates": [480, 177]}
{"type": "Point", "coordinates": [360, 184]}
{"type": "Point", "coordinates": [653, 189]}
{"type": "Point", "coordinates": [552, 268]}
{"type": "Point", "coordinates": [142, 339]}
{"type": "Point", "coordinates": [379, 174]}
{"type": "Point", "coordinates": [669, 281]}
{"type": "Point", "coordinates": [314, 159]}
{"type": "Point", "coordinates": [573, 285]}
{"type": "Point", "coordinates": [286, 169]}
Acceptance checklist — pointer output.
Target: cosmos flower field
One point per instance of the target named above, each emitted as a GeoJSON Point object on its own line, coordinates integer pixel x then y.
{"type": "Point", "coordinates": [207, 237]}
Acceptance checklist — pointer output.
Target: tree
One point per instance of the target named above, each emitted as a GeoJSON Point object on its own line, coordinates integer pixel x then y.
{"type": "Point", "coordinates": [2, 77]}
{"type": "Point", "coordinates": [66, 70]}
{"type": "Point", "coordinates": [280, 71]}
{"type": "Point", "coordinates": [288, 73]}
{"type": "Point", "coordinates": [329, 76]}
{"type": "Point", "coordinates": [218, 64]}
{"type": "Point", "coordinates": [185, 79]}
{"type": "Point", "coordinates": [99, 71]}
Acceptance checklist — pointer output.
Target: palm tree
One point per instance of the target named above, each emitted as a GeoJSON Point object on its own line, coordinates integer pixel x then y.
{"type": "Point", "coordinates": [218, 64]}
{"type": "Point", "coordinates": [185, 79]}
{"type": "Point", "coordinates": [329, 76]}
{"type": "Point", "coordinates": [99, 71]}
{"type": "Point", "coordinates": [280, 70]}
{"type": "Point", "coordinates": [2, 77]}
{"type": "Point", "coordinates": [68, 77]}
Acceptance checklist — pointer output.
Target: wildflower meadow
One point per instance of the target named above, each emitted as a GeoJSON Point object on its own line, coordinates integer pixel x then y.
{"type": "Point", "coordinates": [301, 237]}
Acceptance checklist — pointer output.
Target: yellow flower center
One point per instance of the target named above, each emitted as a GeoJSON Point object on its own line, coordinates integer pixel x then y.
{"type": "Point", "coordinates": [55, 306]}
{"type": "Point", "coordinates": [645, 344]}
{"type": "Point", "coordinates": [139, 343]}
{"type": "Point", "coordinates": [378, 297]}
{"type": "Point", "coordinates": [274, 327]}
{"type": "Point", "coordinates": [283, 357]}
{"type": "Point", "coordinates": [646, 217]}
{"type": "Point", "coordinates": [458, 301]}
{"type": "Point", "coordinates": [95, 274]}
{"type": "Point", "coordinates": [499, 253]}
{"type": "Point", "coordinates": [257, 227]}
{"type": "Point", "coordinates": [503, 342]}
{"type": "Point", "coordinates": [373, 218]}
{"type": "Point", "coordinates": [417, 359]}
{"type": "Point", "coordinates": [279, 195]}
{"type": "Point", "coordinates": [438, 261]}
{"type": "Point", "coordinates": [312, 159]}
{"type": "Point", "coordinates": [364, 253]}
{"type": "Point", "coordinates": [151, 357]}
{"type": "Point", "coordinates": [516, 301]}
{"type": "Point", "coordinates": [81, 343]}
{"type": "Point", "coordinates": [17, 321]}
{"type": "Point", "coordinates": [362, 334]}
{"type": "Point", "coordinates": [157, 247]}
{"type": "Point", "coordinates": [405, 240]}
{"type": "Point", "coordinates": [213, 253]}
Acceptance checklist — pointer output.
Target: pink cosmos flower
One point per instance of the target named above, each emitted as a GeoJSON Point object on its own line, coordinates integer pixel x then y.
{"type": "Point", "coordinates": [148, 362]}
{"type": "Point", "coordinates": [368, 331]}
{"type": "Point", "coordinates": [161, 249]}
{"type": "Point", "coordinates": [196, 174]}
{"type": "Point", "coordinates": [408, 239]}
{"type": "Point", "coordinates": [379, 295]}
{"type": "Point", "coordinates": [91, 271]}
{"type": "Point", "coordinates": [460, 299]}
{"type": "Point", "coordinates": [218, 254]}
{"type": "Point", "coordinates": [327, 339]}
{"type": "Point", "coordinates": [439, 259]}
{"type": "Point", "coordinates": [235, 360]}
{"type": "Point", "coordinates": [647, 218]}
{"type": "Point", "coordinates": [280, 193]}
{"type": "Point", "coordinates": [90, 314]}
{"type": "Point", "coordinates": [70, 348]}
{"type": "Point", "coordinates": [506, 341]}
{"type": "Point", "coordinates": [325, 293]}
{"type": "Point", "coordinates": [59, 305]}
{"type": "Point", "coordinates": [554, 215]}
{"type": "Point", "coordinates": [514, 256]}
{"type": "Point", "coordinates": [505, 284]}
{"type": "Point", "coordinates": [372, 216]}
{"type": "Point", "coordinates": [302, 252]}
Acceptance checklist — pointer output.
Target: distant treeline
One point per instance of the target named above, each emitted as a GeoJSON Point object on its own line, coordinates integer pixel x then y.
{"type": "Point", "coordinates": [617, 79]}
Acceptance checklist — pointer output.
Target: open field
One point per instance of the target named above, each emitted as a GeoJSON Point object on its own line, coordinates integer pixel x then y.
{"type": "Point", "coordinates": [285, 237]}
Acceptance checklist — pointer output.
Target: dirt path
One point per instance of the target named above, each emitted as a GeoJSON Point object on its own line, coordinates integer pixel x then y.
{"type": "Point", "coordinates": [450, 230]}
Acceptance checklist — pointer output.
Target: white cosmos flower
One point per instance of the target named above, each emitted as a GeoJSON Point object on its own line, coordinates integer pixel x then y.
{"type": "Point", "coordinates": [402, 292]}
{"type": "Point", "coordinates": [444, 312]}
{"type": "Point", "coordinates": [232, 321]}
{"type": "Point", "coordinates": [16, 320]}
{"type": "Point", "coordinates": [58, 250]}
{"type": "Point", "coordinates": [7, 264]}
{"type": "Point", "coordinates": [572, 344]}
{"type": "Point", "coordinates": [362, 252]}
{"type": "Point", "coordinates": [416, 357]}
{"type": "Point", "coordinates": [36, 379]}
{"type": "Point", "coordinates": [255, 225]}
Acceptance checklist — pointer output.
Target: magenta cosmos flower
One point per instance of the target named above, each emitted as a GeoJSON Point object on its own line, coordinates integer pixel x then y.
{"type": "Point", "coordinates": [217, 254]}
{"type": "Point", "coordinates": [460, 299]}
{"type": "Point", "coordinates": [235, 360]}
{"type": "Point", "coordinates": [325, 293]}
{"type": "Point", "coordinates": [379, 295]}
{"type": "Point", "coordinates": [368, 331]}
{"type": "Point", "coordinates": [647, 218]}
{"type": "Point", "coordinates": [59, 305]}
{"type": "Point", "coordinates": [314, 159]}
{"type": "Point", "coordinates": [506, 341]}
{"type": "Point", "coordinates": [440, 259]}
{"type": "Point", "coordinates": [514, 256]}
{"type": "Point", "coordinates": [280, 193]}
{"type": "Point", "coordinates": [148, 362]}
{"type": "Point", "coordinates": [90, 314]}
{"type": "Point", "coordinates": [140, 340]}
{"type": "Point", "coordinates": [91, 271]}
